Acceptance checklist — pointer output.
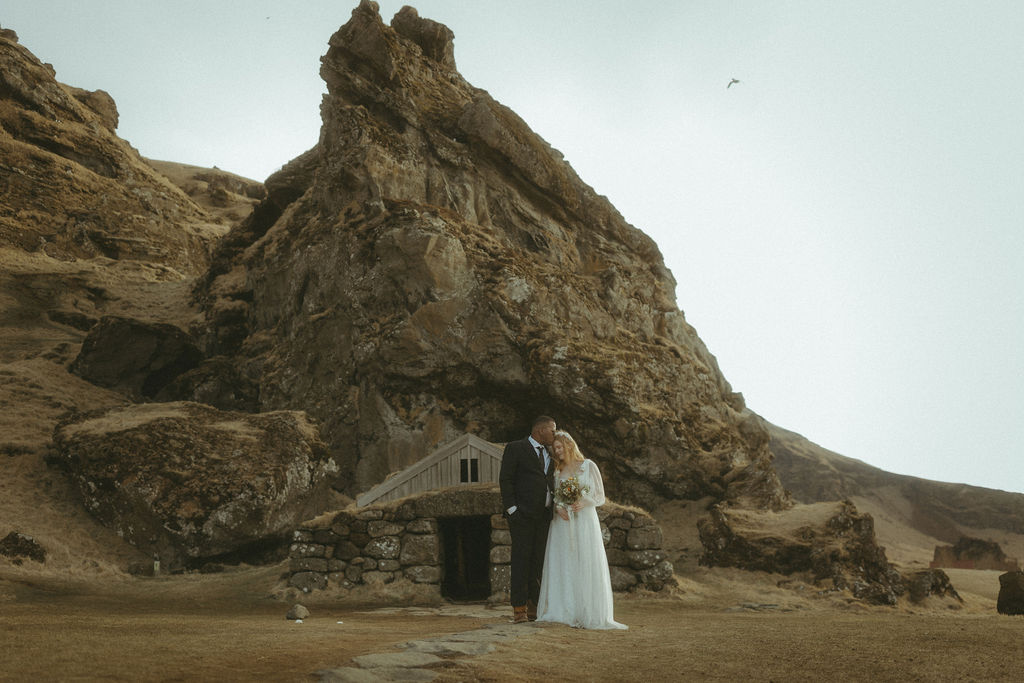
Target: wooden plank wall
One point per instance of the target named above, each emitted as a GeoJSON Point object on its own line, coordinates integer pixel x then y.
{"type": "Point", "coordinates": [447, 472]}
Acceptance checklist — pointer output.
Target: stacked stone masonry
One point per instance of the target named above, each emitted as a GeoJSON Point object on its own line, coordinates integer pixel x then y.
{"type": "Point", "coordinates": [380, 544]}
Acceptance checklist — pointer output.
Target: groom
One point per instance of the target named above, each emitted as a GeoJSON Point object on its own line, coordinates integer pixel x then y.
{"type": "Point", "coordinates": [526, 479]}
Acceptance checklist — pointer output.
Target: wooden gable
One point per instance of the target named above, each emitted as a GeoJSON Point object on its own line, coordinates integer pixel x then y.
{"type": "Point", "coordinates": [467, 460]}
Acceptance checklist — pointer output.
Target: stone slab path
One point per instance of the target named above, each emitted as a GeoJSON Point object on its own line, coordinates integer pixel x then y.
{"type": "Point", "coordinates": [408, 664]}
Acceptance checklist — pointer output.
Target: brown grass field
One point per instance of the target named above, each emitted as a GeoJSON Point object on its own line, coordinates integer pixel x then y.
{"type": "Point", "coordinates": [79, 617]}
{"type": "Point", "coordinates": [719, 625]}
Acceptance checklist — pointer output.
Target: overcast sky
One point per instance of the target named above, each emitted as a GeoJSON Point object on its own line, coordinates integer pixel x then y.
{"type": "Point", "coordinates": [846, 223]}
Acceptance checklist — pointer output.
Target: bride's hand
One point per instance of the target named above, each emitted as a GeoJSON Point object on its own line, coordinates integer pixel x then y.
{"type": "Point", "coordinates": [576, 507]}
{"type": "Point", "coordinates": [562, 513]}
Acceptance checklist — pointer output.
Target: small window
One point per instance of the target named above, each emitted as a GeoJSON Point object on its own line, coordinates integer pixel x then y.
{"type": "Point", "coordinates": [469, 470]}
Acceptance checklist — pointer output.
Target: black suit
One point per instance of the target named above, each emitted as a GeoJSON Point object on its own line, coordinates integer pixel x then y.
{"type": "Point", "coordinates": [525, 485]}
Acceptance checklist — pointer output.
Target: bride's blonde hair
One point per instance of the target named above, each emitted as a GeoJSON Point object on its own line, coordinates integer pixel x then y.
{"type": "Point", "coordinates": [572, 451]}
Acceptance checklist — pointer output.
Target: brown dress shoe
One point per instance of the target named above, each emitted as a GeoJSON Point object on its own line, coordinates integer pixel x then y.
{"type": "Point", "coordinates": [519, 614]}
{"type": "Point", "coordinates": [531, 611]}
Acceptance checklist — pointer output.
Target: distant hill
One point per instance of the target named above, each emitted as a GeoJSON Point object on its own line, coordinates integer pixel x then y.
{"type": "Point", "coordinates": [938, 512]}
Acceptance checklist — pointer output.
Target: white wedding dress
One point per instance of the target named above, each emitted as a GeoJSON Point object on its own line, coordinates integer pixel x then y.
{"type": "Point", "coordinates": [576, 588]}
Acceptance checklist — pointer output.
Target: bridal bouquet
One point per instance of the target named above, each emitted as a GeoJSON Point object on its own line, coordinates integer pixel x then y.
{"type": "Point", "coordinates": [570, 491]}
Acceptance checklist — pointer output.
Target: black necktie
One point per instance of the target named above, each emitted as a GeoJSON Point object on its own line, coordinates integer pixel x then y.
{"type": "Point", "coordinates": [540, 454]}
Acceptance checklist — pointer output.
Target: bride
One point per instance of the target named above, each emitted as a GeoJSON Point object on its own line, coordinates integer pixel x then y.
{"type": "Point", "coordinates": [575, 587]}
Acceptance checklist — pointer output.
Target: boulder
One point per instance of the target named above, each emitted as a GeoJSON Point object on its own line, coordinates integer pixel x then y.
{"type": "Point", "coordinates": [308, 581]}
{"type": "Point", "coordinates": [18, 546]}
{"type": "Point", "coordinates": [1011, 593]}
{"type": "Point", "coordinates": [190, 483]}
{"type": "Point", "coordinates": [135, 357]}
{"type": "Point", "coordinates": [297, 612]}
{"type": "Point", "coordinates": [930, 582]}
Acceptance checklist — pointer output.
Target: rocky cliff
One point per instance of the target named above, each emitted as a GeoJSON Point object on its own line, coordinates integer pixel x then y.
{"type": "Point", "coordinates": [433, 267]}
{"type": "Point", "coordinates": [87, 229]}
{"type": "Point", "coordinates": [72, 188]}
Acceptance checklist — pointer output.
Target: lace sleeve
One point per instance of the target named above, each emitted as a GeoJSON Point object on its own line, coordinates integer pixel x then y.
{"type": "Point", "coordinates": [595, 496]}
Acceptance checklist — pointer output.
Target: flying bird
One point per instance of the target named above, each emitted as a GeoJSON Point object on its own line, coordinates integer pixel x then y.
{"type": "Point", "coordinates": [735, 80]}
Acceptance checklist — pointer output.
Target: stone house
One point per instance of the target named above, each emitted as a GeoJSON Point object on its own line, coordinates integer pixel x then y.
{"type": "Point", "coordinates": [439, 522]}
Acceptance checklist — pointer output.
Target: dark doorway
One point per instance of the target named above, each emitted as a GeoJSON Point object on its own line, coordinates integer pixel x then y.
{"type": "Point", "coordinates": [466, 543]}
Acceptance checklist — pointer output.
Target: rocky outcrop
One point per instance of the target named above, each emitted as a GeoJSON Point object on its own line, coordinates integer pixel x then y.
{"type": "Point", "coordinates": [434, 267]}
{"type": "Point", "coordinates": [930, 582]}
{"type": "Point", "coordinates": [70, 188]}
{"type": "Point", "coordinates": [189, 483]}
{"type": "Point", "coordinates": [101, 104]}
{"type": "Point", "coordinates": [452, 538]}
{"type": "Point", "coordinates": [831, 542]}
{"type": "Point", "coordinates": [973, 553]}
{"type": "Point", "coordinates": [137, 358]}
{"type": "Point", "coordinates": [18, 547]}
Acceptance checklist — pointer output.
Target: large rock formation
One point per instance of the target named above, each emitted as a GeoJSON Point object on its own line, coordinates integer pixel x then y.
{"type": "Point", "coordinates": [433, 267]}
{"type": "Point", "coordinates": [71, 188]}
{"type": "Point", "coordinates": [191, 483]}
{"type": "Point", "coordinates": [87, 229]}
{"type": "Point", "coordinates": [829, 542]}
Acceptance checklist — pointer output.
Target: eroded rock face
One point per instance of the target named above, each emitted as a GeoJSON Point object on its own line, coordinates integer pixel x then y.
{"type": "Point", "coordinates": [135, 357]}
{"type": "Point", "coordinates": [190, 483]}
{"type": "Point", "coordinates": [439, 268]}
{"type": "Point", "coordinates": [216, 382]}
{"type": "Point", "coordinates": [70, 188]}
{"type": "Point", "coordinates": [831, 541]}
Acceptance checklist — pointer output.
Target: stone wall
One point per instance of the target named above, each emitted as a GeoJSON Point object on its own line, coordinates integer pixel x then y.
{"type": "Point", "coordinates": [400, 541]}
